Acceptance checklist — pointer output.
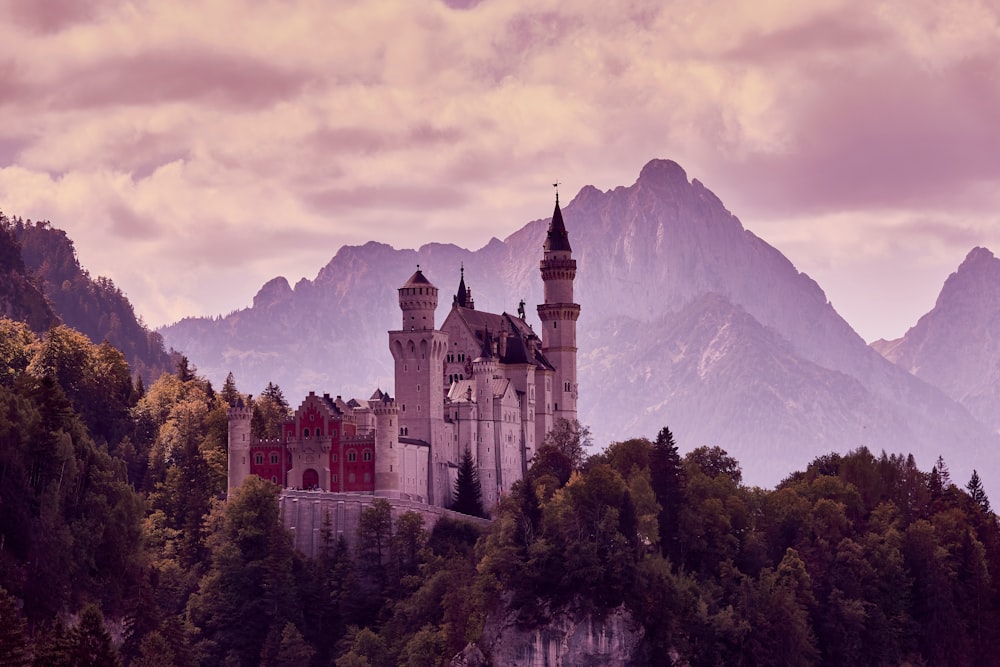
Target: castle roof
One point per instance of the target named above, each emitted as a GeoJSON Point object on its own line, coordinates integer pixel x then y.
{"type": "Point", "coordinates": [557, 238]}
{"type": "Point", "coordinates": [519, 348]}
{"type": "Point", "coordinates": [418, 279]}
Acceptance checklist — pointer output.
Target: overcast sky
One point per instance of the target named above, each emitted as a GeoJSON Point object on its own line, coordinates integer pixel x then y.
{"type": "Point", "coordinates": [193, 154]}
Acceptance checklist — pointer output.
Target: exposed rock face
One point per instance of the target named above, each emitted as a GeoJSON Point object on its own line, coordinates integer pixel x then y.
{"type": "Point", "coordinates": [956, 346]}
{"type": "Point", "coordinates": [687, 320]}
{"type": "Point", "coordinates": [569, 639]}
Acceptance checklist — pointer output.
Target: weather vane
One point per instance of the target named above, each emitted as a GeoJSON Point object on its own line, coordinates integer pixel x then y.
{"type": "Point", "coordinates": [556, 186]}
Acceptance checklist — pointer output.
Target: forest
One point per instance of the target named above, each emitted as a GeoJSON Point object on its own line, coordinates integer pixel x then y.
{"type": "Point", "coordinates": [118, 547]}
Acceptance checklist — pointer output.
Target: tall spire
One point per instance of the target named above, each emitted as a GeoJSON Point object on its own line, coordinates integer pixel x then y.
{"type": "Point", "coordinates": [557, 239]}
{"type": "Point", "coordinates": [462, 298]}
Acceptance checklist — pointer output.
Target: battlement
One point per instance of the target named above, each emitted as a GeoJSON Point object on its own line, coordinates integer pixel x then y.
{"type": "Point", "coordinates": [240, 413]}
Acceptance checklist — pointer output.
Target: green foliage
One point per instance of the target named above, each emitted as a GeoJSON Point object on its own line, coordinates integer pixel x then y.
{"type": "Point", "coordinates": [94, 307]}
{"type": "Point", "coordinates": [270, 411]}
{"type": "Point", "coordinates": [468, 492]}
{"type": "Point", "coordinates": [570, 438]}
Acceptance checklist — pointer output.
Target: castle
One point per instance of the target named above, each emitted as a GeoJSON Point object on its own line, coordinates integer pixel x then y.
{"type": "Point", "coordinates": [482, 382]}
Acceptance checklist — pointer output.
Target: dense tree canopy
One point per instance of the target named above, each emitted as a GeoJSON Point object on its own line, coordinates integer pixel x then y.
{"type": "Point", "coordinates": [113, 514]}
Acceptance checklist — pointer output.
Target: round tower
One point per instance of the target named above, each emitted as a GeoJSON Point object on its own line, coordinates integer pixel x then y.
{"type": "Point", "coordinates": [559, 315]}
{"type": "Point", "coordinates": [418, 350]}
{"type": "Point", "coordinates": [418, 299]}
{"type": "Point", "coordinates": [239, 444]}
{"type": "Point", "coordinates": [386, 447]}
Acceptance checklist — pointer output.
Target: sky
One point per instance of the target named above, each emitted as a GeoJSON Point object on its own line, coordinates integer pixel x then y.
{"type": "Point", "coordinates": [193, 151]}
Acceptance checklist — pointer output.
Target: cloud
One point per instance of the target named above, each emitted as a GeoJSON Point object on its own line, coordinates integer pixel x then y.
{"type": "Point", "coordinates": [230, 142]}
{"type": "Point", "coordinates": [49, 16]}
{"type": "Point", "coordinates": [169, 76]}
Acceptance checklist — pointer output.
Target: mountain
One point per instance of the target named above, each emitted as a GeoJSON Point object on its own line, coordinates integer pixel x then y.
{"type": "Point", "coordinates": [64, 291]}
{"type": "Point", "coordinates": [688, 320]}
{"type": "Point", "coordinates": [956, 346]}
{"type": "Point", "coordinates": [20, 297]}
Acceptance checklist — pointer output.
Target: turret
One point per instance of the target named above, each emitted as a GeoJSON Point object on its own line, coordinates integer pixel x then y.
{"type": "Point", "coordinates": [386, 446]}
{"type": "Point", "coordinates": [239, 444]}
{"type": "Point", "coordinates": [418, 299]}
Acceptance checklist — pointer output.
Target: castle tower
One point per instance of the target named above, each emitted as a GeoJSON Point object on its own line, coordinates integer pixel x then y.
{"type": "Point", "coordinates": [484, 369]}
{"type": "Point", "coordinates": [559, 314]}
{"type": "Point", "coordinates": [239, 444]}
{"type": "Point", "coordinates": [418, 351]}
{"type": "Point", "coordinates": [387, 459]}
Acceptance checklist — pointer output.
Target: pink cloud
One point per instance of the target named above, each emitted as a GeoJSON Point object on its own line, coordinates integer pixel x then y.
{"type": "Point", "coordinates": [49, 16]}
{"type": "Point", "coordinates": [177, 76]}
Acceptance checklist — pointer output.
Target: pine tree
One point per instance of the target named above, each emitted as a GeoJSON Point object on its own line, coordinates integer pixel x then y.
{"type": "Point", "coordinates": [468, 493]}
{"type": "Point", "coordinates": [667, 479]}
{"type": "Point", "coordinates": [975, 489]}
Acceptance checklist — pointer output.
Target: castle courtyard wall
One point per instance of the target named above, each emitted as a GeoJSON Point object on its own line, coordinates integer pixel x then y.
{"type": "Point", "coordinates": [303, 514]}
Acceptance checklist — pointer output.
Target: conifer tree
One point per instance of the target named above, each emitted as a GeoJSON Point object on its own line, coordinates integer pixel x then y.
{"type": "Point", "coordinates": [667, 479]}
{"type": "Point", "coordinates": [468, 492]}
{"type": "Point", "coordinates": [978, 494]}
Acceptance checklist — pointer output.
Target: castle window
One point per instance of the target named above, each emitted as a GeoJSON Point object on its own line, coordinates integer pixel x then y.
{"type": "Point", "coordinates": [557, 407]}
{"type": "Point", "coordinates": [366, 455]}
{"type": "Point", "coordinates": [334, 458]}
{"type": "Point", "coordinates": [335, 478]}
{"type": "Point", "coordinates": [319, 431]}
{"type": "Point", "coordinates": [306, 432]}
{"type": "Point", "coordinates": [352, 456]}
{"type": "Point", "coordinates": [566, 387]}
{"type": "Point", "coordinates": [334, 433]}
{"type": "Point", "coordinates": [351, 478]}
{"type": "Point", "coordinates": [259, 459]}
{"type": "Point", "coordinates": [368, 477]}
{"type": "Point", "coordinates": [274, 458]}
{"type": "Point", "coordinates": [274, 479]}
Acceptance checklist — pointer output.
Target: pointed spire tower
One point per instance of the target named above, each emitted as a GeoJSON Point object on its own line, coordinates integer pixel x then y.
{"type": "Point", "coordinates": [559, 315]}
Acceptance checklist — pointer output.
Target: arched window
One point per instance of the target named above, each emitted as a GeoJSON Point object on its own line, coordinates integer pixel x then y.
{"type": "Point", "coordinates": [274, 458]}
{"type": "Point", "coordinates": [258, 459]}
{"type": "Point", "coordinates": [306, 433]}
{"type": "Point", "coordinates": [352, 456]}
{"type": "Point", "coordinates": [367, 455]}
{"type": "Point", "coordinates": [334, 458]}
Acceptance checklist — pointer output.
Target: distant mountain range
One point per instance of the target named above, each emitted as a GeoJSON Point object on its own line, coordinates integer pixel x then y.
{"type": "Point", "coordinates": [688, 320]}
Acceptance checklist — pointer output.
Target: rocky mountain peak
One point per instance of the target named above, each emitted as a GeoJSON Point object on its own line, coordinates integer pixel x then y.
{"type": "Point", "coordinates": [273, 292]}
{"type": "Point", "coordinates": [662, 173]}
{"type": "Point", "coordinates": [977, 281]}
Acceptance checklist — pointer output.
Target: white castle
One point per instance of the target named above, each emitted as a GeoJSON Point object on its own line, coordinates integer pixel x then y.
{"type": "Point", "coordinates": [482, 382]}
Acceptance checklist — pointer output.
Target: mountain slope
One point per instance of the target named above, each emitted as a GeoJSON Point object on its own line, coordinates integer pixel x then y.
{"type": "Point", "coordinates": [20, 298]}
{"type": "Point", "coordinates": [95, 307]}
{"type": "Point", "coordinates": [793, 379]}
{"type": "Point", "coordinates": [956, 346]}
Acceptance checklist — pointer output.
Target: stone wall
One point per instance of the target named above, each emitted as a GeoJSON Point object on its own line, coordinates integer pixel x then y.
{"type": "Point", "coordinates": [303, 514]}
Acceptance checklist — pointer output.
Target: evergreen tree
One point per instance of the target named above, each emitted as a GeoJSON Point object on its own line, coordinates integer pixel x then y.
{"type": "Point", "coordinates": [229, 392]}
{"type": "Point", "coordinates": [943, 473]}
{"type": "Point", "coordinates": [667, 479]}
{"type": "Point", "coordinates": [270, 411]}
{"type": "Point", "coordinates": [978, 494]}
{"type": "Point", "coordinates": [468, 492]}
{"type": "Point", "coordinates": [90, 643]}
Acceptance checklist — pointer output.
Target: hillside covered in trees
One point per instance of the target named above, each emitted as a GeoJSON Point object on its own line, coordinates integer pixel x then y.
{"type": "Point", "coordinates": [44, 284]}
{"type": "Point", "coordinates": [117, 548]}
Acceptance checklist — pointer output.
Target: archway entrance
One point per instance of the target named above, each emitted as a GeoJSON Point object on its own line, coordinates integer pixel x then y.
{"type": "Point", "coordinates": [310, 479]}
